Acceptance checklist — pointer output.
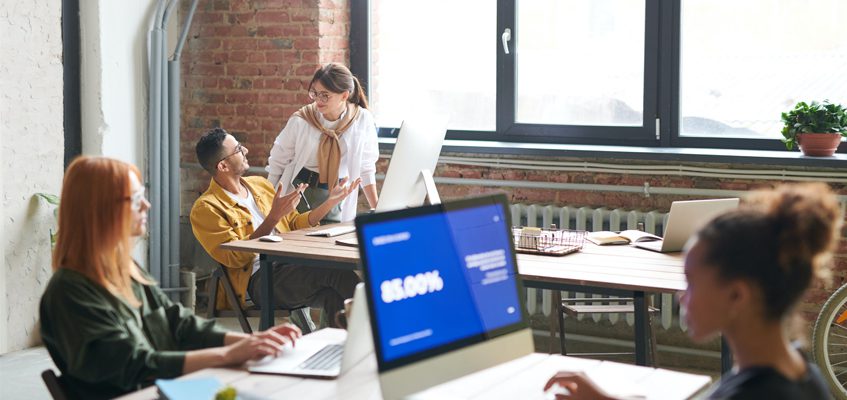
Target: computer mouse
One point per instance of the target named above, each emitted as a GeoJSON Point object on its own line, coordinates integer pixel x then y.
{"type": "Point", "coordinates": [270, 238]}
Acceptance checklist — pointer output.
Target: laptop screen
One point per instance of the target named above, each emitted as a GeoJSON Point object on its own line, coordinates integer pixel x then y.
{"type": "Point", "coordinates": [439, 278]}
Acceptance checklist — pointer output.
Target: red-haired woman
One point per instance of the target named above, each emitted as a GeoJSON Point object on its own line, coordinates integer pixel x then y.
{"type": "Point", "coordinates": [746, 271]}
{"type": "Point", "coordinates": [107, 326]}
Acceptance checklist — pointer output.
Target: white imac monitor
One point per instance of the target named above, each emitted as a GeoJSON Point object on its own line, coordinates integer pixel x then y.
{"type": "Point", "coordinates": [443, 292]}
{"type": "Point", "coordinates": [408, 179]}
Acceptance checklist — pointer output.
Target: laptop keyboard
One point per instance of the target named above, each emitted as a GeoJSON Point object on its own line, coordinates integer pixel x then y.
{"type": "Point", "coordinates": [327, 358]}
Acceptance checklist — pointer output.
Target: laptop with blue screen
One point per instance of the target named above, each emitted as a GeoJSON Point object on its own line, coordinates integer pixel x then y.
{"type": "Point", "coordinates": [443, 292]}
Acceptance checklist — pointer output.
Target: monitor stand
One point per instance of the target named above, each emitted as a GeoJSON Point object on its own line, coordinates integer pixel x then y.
{"type": "Point", "coordinates": [432, 196]}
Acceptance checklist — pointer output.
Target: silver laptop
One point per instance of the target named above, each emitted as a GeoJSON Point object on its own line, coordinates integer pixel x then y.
{"type": "Point", "coordinates": [684, 219]}
{"type": "Point", "coordinates": [317, 358]}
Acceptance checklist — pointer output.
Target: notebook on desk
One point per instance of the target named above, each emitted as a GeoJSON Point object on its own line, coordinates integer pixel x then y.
{"type": "Point", "coordinates": [684, 219]}
{"type": "Point", "coordinates": [318, 358]}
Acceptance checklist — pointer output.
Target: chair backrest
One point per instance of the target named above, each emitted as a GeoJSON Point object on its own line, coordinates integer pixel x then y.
{"type": "Point", "coordinates": [53, 384]}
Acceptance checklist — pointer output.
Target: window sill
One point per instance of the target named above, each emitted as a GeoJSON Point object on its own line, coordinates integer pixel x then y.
{"type": "Point", "coordinates": [703, 155]}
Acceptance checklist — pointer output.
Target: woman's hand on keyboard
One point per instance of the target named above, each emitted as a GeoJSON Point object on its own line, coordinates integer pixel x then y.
{"type": "Point", "coordinates": [270, 342]}
{"type": "Point", "coordinates": [290, 333]}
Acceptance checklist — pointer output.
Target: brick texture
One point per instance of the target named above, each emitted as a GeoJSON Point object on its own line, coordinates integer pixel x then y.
{"type": "Point", "coordinates": [246, 67]}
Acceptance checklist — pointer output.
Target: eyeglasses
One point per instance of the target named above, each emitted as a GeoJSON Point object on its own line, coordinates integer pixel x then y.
{"type": "Point", "coordinates": [137, 199]}
{"type": "Point", "coordinates": [323, 97]}
{"type": "Point", "coordinates": [238, 149]}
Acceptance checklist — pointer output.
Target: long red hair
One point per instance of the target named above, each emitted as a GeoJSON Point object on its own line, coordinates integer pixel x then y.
{"type": "Point", "coordinates": [95, 224]}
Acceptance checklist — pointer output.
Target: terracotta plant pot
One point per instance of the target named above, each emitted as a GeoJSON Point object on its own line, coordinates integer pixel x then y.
{"type": "Point", "coordinates": [818, 144]}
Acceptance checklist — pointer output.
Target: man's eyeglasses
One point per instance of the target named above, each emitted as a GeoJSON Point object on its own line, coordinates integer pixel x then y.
{"type": "Point", "coordinates": [238, 149]}
{"type": "Point", "coordinates": [323, 97]}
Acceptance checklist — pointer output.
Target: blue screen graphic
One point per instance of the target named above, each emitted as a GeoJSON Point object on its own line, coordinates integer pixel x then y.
{"type": "Point", "coordinates": [440, 278]}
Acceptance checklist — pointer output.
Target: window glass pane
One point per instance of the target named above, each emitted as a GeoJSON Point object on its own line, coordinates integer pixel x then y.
{"type": "Point", "coordinates": [434, 56]}
{"type": "Point", "coordinates": [743, 63]}
{"type": "Point", "coordinates": [580, 62]}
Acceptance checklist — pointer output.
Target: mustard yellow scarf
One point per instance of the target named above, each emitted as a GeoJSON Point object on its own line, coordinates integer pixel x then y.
{"type": "Point", "coordinates": [329, 150]}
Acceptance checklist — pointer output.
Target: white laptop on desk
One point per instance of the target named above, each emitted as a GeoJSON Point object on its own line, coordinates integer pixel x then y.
{"type": "Point", "coordinates": [318, 358]}
{"type": "Point", "coordinates": [684, 219]}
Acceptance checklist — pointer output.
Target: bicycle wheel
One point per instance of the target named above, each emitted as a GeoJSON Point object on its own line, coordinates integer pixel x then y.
{"type": "Point", "coordinates": [829, 342]}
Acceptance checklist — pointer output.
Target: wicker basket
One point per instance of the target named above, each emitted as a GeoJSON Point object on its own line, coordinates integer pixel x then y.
{"type": "Point", "coordinates": [554, 242]}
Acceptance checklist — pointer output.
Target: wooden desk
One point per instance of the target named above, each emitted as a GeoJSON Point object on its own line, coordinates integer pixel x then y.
{"type": "Point", "coordinates": [522, 378]}
{"type": "Point", "coordinates": [622, 271]}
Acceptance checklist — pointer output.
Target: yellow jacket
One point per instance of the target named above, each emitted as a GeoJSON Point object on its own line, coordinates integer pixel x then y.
{"type": "Point", "coordinates": [217, 219]}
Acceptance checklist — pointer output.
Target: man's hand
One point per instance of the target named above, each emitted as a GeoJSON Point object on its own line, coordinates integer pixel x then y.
{"type": "Point", "coordinates": [283, 204]}
{"type": "Point", "coordinates": [338, 193]}
{"type": "Point", "coordinates": [341, 191]}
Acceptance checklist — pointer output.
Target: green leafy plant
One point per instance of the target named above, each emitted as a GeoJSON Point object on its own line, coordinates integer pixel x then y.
{"type": "Point", "coordinates": [813, 118]}
{"type": "Point", "coordinates": [53, 200]}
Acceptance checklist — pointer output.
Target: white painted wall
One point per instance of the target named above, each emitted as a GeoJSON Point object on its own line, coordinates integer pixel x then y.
{"type": "Point", "coordinates": [114, 77]}
{"type": "Point", "coordinates": [114, 72]}
{"type": "Point", "coordinates": [32, 157]}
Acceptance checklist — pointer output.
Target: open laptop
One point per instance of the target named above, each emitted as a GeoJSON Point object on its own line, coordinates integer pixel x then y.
{"type": "Point", "coordinates": [684, 219]}
{"type": "Point", "coordinates": [316, 358]}
{"type": "Point", "coordinates": [444, 295]}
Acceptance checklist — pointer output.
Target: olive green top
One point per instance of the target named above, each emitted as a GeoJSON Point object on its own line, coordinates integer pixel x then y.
{"type": "Point", "coordinates": [105, 348]}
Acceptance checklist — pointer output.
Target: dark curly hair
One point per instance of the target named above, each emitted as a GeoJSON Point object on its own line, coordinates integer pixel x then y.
{"type": "Point", "coordinates": [778, 240]}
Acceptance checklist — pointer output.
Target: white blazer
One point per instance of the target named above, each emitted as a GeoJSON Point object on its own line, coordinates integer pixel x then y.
{"type": "Point", "coordinates": [299, 141]}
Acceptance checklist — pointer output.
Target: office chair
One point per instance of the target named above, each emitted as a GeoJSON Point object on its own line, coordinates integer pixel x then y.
{"type": "Point", "coordinates": [219, 276]}
{"type": "Point", "coordinates": [54, 385]}
{"type": "Point", "coordinates": [573, 307]}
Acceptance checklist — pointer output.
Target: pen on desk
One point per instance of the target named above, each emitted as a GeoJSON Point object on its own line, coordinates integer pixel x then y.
{"type": "Point", "coordinates": [302, 196]}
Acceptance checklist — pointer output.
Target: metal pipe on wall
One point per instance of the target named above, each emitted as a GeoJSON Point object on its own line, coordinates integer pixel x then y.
{"type": "Point", "coordinates": [163, 147]}
{"type": "Point", "coordinates": [165, 278]}
{"type": "Point", "coordinates": [154, 145]}
{"type": "Point", "coordinates": [174, 78]}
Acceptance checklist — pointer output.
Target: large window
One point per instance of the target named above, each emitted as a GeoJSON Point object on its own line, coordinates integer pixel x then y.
{"type": "Point", "coordinates": [427, 60]}
{"type": "Point", "coordinates": [676, 73]}
{"type": "Point", "coordinates": [736, 76]}
{"type": "Point", "coordinates": [580, 62]}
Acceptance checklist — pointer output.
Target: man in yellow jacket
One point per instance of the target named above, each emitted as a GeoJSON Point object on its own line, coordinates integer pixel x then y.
{"type": "Point", "coordinates": [235, 207]}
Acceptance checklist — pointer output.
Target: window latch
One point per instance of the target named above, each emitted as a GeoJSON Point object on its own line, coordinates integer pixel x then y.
{"type": "Point", "coordinates": [658, 131]}
{"type": "Point", "coordinates": [506, 37]}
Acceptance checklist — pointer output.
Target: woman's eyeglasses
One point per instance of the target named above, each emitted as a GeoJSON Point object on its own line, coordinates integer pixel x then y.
{"type": "Point", "coordinates": [137, 199]}
{"type": "Point", "coordinates": [323, 97]}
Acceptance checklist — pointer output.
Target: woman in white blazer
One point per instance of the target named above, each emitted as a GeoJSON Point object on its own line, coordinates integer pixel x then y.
{"type": "Point", "coordinates": [331, 138]}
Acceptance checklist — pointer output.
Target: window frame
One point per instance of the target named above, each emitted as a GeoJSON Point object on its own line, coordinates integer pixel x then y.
{"type": "Point", "coordinates": [661, 90]}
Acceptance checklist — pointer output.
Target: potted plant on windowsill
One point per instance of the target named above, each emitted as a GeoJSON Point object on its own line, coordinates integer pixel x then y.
{"type": "Point", "coordinates": [816, 127]}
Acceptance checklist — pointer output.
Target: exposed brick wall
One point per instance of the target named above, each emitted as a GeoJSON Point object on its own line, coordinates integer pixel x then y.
{"type": "Point", "coordinates": [247, 65]}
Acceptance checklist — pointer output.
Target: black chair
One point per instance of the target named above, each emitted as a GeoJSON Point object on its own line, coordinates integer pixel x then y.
{"type": "Point", "coordinates": [54, 385]}
{"type": "Point", "coordinates": [219, 275]}
{"type": "Point", "coordinates": [573, 307]}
